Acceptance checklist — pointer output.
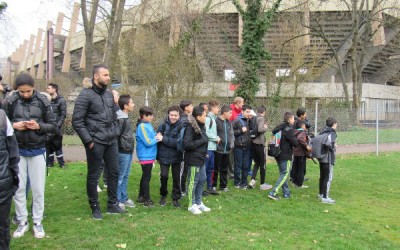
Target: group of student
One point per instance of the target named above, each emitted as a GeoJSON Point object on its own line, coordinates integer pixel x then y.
{"type": "Point", "coordinates": [203, 146]}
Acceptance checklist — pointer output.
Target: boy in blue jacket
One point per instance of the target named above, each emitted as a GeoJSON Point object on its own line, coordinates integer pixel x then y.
{"type": "Point", "coordinates": [146, 150]}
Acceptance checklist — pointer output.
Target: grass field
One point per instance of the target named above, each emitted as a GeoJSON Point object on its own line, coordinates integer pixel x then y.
{"type": "Point", "coordinates": [359, 136]}
{"type": "Point", "coordinates": [365, 217]}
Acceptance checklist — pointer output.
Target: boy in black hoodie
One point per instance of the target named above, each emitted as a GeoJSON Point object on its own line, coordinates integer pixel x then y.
{"type": "Point", "coordinates": [187, 109]}
{"type": "Point", "coordinates": [326, 164]}
{"type": "Point", "coordinates": [284, 159]}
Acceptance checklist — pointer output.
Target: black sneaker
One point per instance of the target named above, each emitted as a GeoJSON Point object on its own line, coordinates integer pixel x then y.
{"type": "Point", "coordinates": [213, 191]}
{"type": "Point", "coordinates": [96, 213]}
{"type": "Point", "coordinates": [148, 203]}
{"type": "Point", "coordinates": [273, 196]}
{"type": "Point", "coordinates": [140, 200]}
{"type": "Point", "coordinates": [62, 166]}
{"type": "Point", "coordinates": [115, 209]}
{"type": "Point", "coordinates": [204, 194]}
{"type": "Point", "coordinates": [163, 201]}
{"type": "Point", "coordinates": [176, 204]}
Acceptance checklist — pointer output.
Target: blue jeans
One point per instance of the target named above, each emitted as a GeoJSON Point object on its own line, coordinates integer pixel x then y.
{"type": "Point", "coordinates": [284, 170]}
{"type": "Point", "coordinates": [197, 177]}
{"type": "Point", "coordinates": [241, 164]}
{"type": "Point", "coordinates": [125, 162]}
{"type": "Point", "coordinates": [209, 168]}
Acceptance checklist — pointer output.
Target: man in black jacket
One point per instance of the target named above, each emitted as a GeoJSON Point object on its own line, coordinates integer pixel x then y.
{"type": "Point", "coordinates": [30, 113]}
{"type": "Point", "coordinates": [287, 143]}
{"type": "Point", "coordinates": [95, 121]}
{"type": "Point", "coordinates": [54, 145]}
{"type": "Point", "coordinates": [169, 156]}
{"type": "Point", "coordinates": [9, 159]}
{"type": "Point", "coordinates": [186, 108]}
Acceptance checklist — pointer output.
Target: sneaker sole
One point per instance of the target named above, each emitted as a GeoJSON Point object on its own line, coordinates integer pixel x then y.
{"type": "Point", "coordinates": [97, 218]}
{"type": "Point", "coordinates": [39, 237]}
{"type": "Point", "coordinates": [272, 198]}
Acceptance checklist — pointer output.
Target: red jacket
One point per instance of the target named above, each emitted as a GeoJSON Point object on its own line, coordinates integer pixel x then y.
{"type": "Point", "coordinates": [235, 112]}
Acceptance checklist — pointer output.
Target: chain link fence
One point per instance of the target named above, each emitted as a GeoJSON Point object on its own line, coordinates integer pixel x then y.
{"type": "Point", "coordinates": [353, 127]}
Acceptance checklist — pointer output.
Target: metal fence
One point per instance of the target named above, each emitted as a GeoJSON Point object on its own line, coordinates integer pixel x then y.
{"type": "Point", "coordinates": [352, 128]}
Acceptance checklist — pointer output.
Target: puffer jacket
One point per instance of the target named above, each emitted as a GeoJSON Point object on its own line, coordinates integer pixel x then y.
{"type": "Point", "coordinates": [146, 142]}
{"type": "Point", "coordinates": [126, 142]}
{"type": "Point", "coordinates": [242, 139]}
{"type": "Point", "coordinates": [167, 152]}
{"type": "Point", "coordinates": [9, 158]}
{"type": "Point", "coordinates": [224, 131]}
{"type": "Point", "coordinates": [94, 118]}
{"type": "Point", "coordinates": [302, 138]}
{"type": "Point", "coordinates": [36, 108]}
{"type": "Point", "coordinates": [195, 142]}
{"type": "Point", "coordinates": [330, 144]}
{"type": "Point", "coordinates": [59, 106]}
{"type": "Point", "coordinates": [288, 141]}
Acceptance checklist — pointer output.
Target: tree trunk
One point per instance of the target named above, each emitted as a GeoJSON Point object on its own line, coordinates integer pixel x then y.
{"type": "Point", "coordinates": [88, 25]}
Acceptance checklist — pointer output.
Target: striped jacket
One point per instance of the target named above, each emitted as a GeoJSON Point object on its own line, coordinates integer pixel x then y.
{"type": "Point", "coordinates": [146, 143]}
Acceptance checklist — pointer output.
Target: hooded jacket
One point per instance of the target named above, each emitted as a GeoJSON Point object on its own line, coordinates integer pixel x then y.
{"type": "Point", "coordinates": [126, 142]}
{"type": "Point", "coordinates": [211, 131]}
{"type": "Point", "coordinates": [235, 112]}
{"type": "Point", "coordinates": [330, 144]}
{"type": "Point", "coordinates": [195, 142]}
{"type": "Point", "coordinates": [302, 138]}
{"type": "Point", "coordinates": [94, 118]}
{"type": "Point", "coordinates": [260, 138]}
{"type": "Point", "coordinates": [242, 139]}
{"type": "Point", "coordinates": [288, 141]}
{"type": "Point", "coordinates": [59, 106]}
{"type": "Point", "coordinates": [36, 108]}
{"type": "Point", "coordinates": [224, 131]}
{"type": "Point", "coordinates": [167, 152]}
{"type": "Point", "coordinates": [146, 143]}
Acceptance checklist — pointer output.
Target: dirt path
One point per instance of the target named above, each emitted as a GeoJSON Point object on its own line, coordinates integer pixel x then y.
{"type": "Point", "coordinates": [77, 153]}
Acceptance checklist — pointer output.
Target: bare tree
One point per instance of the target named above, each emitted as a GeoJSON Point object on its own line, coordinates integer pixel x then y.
{"type": "Point", "coordinates": [89, 25]}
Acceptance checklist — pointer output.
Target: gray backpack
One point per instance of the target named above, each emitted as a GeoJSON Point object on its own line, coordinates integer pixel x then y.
{"type": "Point", "coordinates": [319, 150]}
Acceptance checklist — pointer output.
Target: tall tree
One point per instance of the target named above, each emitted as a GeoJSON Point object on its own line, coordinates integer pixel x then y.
{"type": "Point", "coordinates": [3, 7]}
{"type": "Point", "coordinates": [256, 22]}
{"type": "Point", "coordinates": [88, 25]}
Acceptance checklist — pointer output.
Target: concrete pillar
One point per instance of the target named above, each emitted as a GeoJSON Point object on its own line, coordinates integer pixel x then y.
{"type": "Point", "coordinates": [28, 53]}
{"type": "Point", "coordinates": [38, 42]}
{"type": "Point", "coordinates": [43, 54]}
{"type": "Point", "coordinates": [378, 30]}
{"type": "Point", "coordinates": [60, 20]}
{"type": "Point", "coordinates": [72, 30]}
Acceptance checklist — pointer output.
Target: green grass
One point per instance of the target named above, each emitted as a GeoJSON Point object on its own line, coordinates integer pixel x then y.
{"type": "Point", "coordinates": [365, 216]}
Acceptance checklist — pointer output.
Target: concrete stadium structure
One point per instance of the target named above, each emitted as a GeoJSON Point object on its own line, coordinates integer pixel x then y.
{"type": "Point", "coordinates": [218, 44]}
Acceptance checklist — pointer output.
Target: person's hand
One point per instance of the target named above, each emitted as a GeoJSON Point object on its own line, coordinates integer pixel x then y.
{"type": "Point", "coordinates": [219, 140]}
{"type": "Point", "coordinates": [244, 129]}
{"type": "Point", "coordinates": [309, 148]}
{"type": "Point", "coordinates": [32, 125]}
{"type": "Point", "coordinates": [21, 126]}
{"type": "Point", "coordinates": [265, 126]}
{"type": "Point", "coordinates": [91, 145]}
{"type": "Point", "coordinates": [159, 137]}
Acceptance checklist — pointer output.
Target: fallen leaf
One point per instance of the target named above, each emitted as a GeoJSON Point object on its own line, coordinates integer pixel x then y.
{"type": "Point", "coordinates": [387, 226]}
{"type": "Point", "coordinates": [326, 211]}
{"type": "Point", "coordinates": [78, 218]}
{"type": "Point", "coordinates": [121, 245]}
{"type": "Point", "coordinates": [315, 242]}
{"type": "Point", "coordinates": [65, 187]}
{"type": "Point", "coordinates": [269, 240]}
{"type": "Point", "coordinates": [130, 215]}
{"type": "Point", "coordinates": [251, 240]}
{"type": "Point", "coordinates": [51, 185]}
{"type": "Point", "coordinates": [219, 207]}
{"type": "Point", "coordinates": [161, 238]}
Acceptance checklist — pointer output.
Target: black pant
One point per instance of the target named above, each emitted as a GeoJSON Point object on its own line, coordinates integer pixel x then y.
{"type": "Point", "coordinates": [221, 165]}
{"type": "Point", "coordinates": [183, 175]}
{"type": "Point", "coordinates": [231, 171]}
{"type": "Point", "coordinates": [95, 156]}
{"type": "Point", "coordinates": [5, 223]}
{"type": "Point", "coordinates": [323, 179]}
{"type": "Point", "coordinates": [144, 189]}
{"type": "Point", "coordinates": [259, 162]}
{"type": "Point", "coordinates": [54, 147]}
{"type": "Point", "coordinates": [176, 187]}
{"type": "Point", "coordinates": [102, 170]}
{"type": "Point", "coordinates": [299, 164]}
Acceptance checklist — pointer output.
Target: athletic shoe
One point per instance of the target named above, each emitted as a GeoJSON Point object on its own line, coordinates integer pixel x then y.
{"type": "Point", "coordinates": [328, 201]}
{"type": "Point", "coordinates": [194, 209]}
{"type": "Point", "coordinates": [115, 209]}
{"type": "Point", "coordinates": [302, 186]}
{"type": "Point", "coordinates": [273, 196]}
{"type": "Point", "coordinates": [237, 186]}
{"type": "Point", "coordinates": [176, 204]}
{"type": "Point", "coordinates": [203, 208]}
{"type": "Point", "coordinates": [320, 196]}
{"type": "Point", "coordinates": [62, 166]}
{"type": "Point", "coordinates": [205, 193]}
{"type": "Point", "coordinates": [265, 186]}
{"type": "Point", "coordinates": [252, 183]}
{"type": "Point", "coordinates": [105, 186]}
{"type": "Point", "coordinates": [183, 194]}
{"type": "Point", "coordinates": [121, 205]}
{"type": "Point", "coordinates": [14, 220]}
{"type": "Point", "coordinates": [96, 213]}
{"type": "Point", "coordinates": [148, 203]}
{"type": "Point", "coordinates": [129, 203]}
{"type": "Point", "coordinates": [140, 200]}
{"type": "Point", "coordinates": [213, 191]}
{"type": "Point", "coordinates": [21, 229]}
{"type": "Point", "coordinates": [243, 187]}
{"type": "Point", "coordinates": [99, 189]}
{"type": "Point", "coordinates": [287, 196]}
{"type": "Point", "coordinates": [163, 201]}
{"type": "Point", "coordinates": [224, 189]}
{"type": "Point", "coordinates": [38, 231]}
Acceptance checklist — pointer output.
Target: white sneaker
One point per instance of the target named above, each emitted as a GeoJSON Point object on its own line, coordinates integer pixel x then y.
{"type": "Point", "coordinates": [194, 209]}
{"type": "Point", "coordinates": [203, 208]}
{"type": "Point", "coordinates": [121, 205]}
{"type": "Point", "coordinates": [328, 200]}
{"type": "Point", "coordinates": [252, 183]}
{"type": "Point", "coordinates": [21, 229]}
{"type": "Point", "coordinates": [265, 186]}
{"type": "Point", "coordinates": [99, 189]}
{"type": "Point", "coordinates": [38, 231]}
{"type": "Point", "coordinates": [303, 186]}
{"type": "Point", "coordinates": [105, 186]}
{"type": "Point", "coordinates": [129, 203]}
